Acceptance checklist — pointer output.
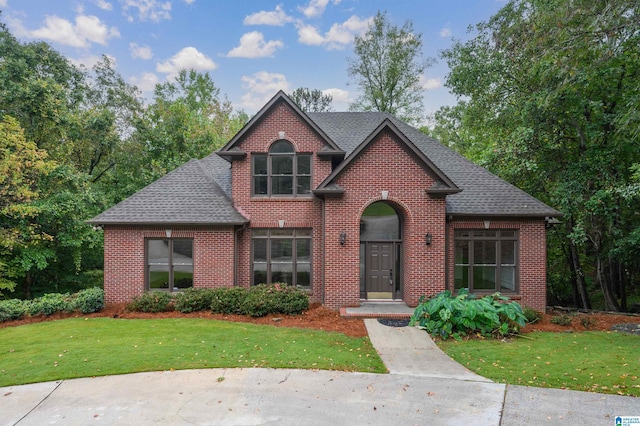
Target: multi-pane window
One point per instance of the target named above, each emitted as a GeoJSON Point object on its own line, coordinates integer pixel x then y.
{"type": "Point", "coordinates": [282, 255]}
{"type": "Point", "coordinates": [486, 260]}
{"type": "Point", "coordinates": [169, 264]}
{"type": "Point", "coordinates": [281, 172]}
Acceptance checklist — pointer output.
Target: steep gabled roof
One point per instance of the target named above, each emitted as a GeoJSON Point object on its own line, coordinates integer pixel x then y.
{"type": "Point", "coordinates": [483, 193]}
{"type": "Point", "coordinates": [196, 193]}
{"type": "Point", "coordinates": [231, 150]}
{"type": "Point", "coordinates": [442, 186]}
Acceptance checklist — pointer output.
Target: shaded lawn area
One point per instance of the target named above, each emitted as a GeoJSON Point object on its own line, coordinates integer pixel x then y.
{"type": "Point", "coordinates": [604, 362]}
{"type": "Point", "coordinates": [86, 347]}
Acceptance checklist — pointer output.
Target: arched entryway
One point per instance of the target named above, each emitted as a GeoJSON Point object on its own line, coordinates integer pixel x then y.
{"type": "Point", "coordinates": [380, 252]}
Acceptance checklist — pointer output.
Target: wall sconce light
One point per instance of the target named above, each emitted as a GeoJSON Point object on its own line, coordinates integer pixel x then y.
{"type": "Point", "coordinates": [343, 238]}
{"type": "Point", "coordinates": [167, 232]}
{"type": "Point", "coordinates": [427, 239]}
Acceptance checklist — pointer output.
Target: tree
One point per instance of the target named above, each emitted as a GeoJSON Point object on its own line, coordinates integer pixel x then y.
{"type": "Point", "coordinates": [387, 68]}
{"type": "Point", "coordinates": [311, 100]}
{"type": "Point", "coordinates": [22, 166]}
{"type": "Point", "coordinates": [551, 90]}
{"type": "Point", "coordinates": [186, 120]}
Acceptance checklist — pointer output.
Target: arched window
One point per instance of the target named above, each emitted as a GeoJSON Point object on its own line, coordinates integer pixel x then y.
{"type": "Point", "coordinates": [380, 222]}
{"type": "Point", "coordinates": [281, 172]}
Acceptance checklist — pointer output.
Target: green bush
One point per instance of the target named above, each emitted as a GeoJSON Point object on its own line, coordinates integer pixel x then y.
{"type": "Point", "coordinates": [51, 303]}
{"type": "Point", "coordinates": [88, 301]}
{"type": "Point", "coordinates": [532, 315]}
{"type": "Point", "coordinates": [445, 315]}
{"type": "Point", "coordinates": [278, 298]}
{"type": "Point", "coordinates": [562, 320]}
{"type": "Point", "coordinates": [151, 301]}
{"type": "Point", "coordinates": [228, 300]}
{"type": "Point", "coordinates": [13, 309]}
{"type": "Point", "coordinates": [194, 300]}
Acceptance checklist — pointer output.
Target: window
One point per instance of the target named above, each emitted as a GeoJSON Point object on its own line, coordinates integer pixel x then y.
{"type": "Point", "coordinates": [282, 255]}
{"type": "Point", "coordinates": [281, 172]}
{"type": "Point", "coordinates": [169, 264]}
{"type": "Point", "coordinates": [486, 260]}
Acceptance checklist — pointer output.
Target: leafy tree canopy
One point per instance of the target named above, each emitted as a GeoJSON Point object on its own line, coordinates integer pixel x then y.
{"type": "Point", "coordinates": [311, 100]}
{"type": "Point", "coordinates": [387, 68]}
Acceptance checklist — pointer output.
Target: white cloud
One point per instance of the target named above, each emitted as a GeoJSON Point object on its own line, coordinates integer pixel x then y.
{"type": "Point", "coordinates": [315, 8]}
{"type": "Point", "coordinates": [146, 82]}
{"type": "Point", "coordinates": [308, 34]}
{"type": "Point", "coordinates": [189, 1]}
{"type": "Point", "coordinates": [142, 52]}
{"type": "Point", "coordinates": [275, 18]}
{"type": "Point", "coordinates": [103, 4]}
{"type": "Point", "coordinates": [261, 87]}
{"type": "Point", "coordinates": [429, 83]}
{"type": "Point", "coordinates": [87, 29]}
{"type": "Point", "coordinates": [445, 32]}
{"type": "Point", "coordinates": [338, 95]}
{"type": "Point", "coordinates": [3, 3]}
{"type": "Point", "coordinates": [147, 10]}
{"type": "Point", "coordinates": [338, 36]}
{"type": "Point", "coordinates": [187, 58]}
{"type": "Point", "coordinates": [252, 45]}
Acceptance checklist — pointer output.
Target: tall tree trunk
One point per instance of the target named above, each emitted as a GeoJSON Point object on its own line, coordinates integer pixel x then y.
{"type": "Point", "coordinates": [582, 285]}
{"type": "Point", "coordinates": [574, 282]}
{"type": "Point", "coordinates": [26, 285]}
{"type": "Point", "coordinates": [610, 301]}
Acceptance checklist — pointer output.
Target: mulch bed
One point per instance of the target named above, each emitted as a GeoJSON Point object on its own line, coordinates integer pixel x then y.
{"type": "Point", "coordinates": [320, 318]}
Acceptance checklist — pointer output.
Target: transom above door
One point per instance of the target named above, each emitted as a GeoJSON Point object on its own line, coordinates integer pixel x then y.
{"type": "Point", "coordinates": [380, 252]}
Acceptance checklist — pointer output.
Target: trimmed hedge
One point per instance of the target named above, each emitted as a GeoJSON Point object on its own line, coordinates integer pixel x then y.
{"type": "Point", "coordinates": [229, 300]}
{"type": "Point", "coordinates": [152, 301]}
{"type": "Point", "coordinates": [85, 301]}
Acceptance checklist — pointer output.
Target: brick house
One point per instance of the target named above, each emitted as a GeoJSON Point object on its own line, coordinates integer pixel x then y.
{"type": "Point", "coordinates": [350, 206]}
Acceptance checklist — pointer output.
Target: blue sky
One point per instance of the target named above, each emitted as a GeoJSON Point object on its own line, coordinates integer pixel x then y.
{"type": "Point", "coordinates": [250, 48]}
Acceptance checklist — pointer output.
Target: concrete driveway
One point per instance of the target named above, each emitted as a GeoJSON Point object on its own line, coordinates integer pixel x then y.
{"type": "Point", "coordinates": [424, 387]}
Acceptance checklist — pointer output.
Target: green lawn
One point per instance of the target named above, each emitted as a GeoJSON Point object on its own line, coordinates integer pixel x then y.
{"type": "Point", "coordinates": [605, 362]}
{"type": "Point", "coordinates": [85, 347]}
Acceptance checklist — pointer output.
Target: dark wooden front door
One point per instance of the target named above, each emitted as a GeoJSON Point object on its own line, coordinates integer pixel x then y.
{"type": "Point", "coordinates": [381, 270]}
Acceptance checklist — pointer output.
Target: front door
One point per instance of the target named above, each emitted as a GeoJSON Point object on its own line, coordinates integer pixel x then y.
{"type": "Point", "coordinates": [380, 274]}
{"type": "Point", "coordinates": [380, 252]}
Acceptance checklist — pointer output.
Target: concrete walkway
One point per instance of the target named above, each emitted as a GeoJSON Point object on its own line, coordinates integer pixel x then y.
{"type": "Point", "coordinates": [424, 387]}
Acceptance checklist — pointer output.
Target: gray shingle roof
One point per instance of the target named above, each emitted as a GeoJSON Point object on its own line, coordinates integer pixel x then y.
{"type": "Point", "coordinates": [196, 193]}
{"type": "Point", "coordinates": [199, 192]}
{"type": "Point", "coordinates": [483, 193]}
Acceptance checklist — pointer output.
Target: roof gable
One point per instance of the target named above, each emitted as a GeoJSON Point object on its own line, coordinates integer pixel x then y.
{"type": "Point", "coordinates": [231, 149]}
{"type": "Point", "coordinates": [442, 184]}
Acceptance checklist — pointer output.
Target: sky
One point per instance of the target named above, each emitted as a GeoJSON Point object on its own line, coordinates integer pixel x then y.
{"type": "Point", "coordinates": [250, 48]}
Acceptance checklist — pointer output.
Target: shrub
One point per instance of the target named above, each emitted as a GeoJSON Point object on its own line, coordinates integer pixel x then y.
{"type": "Point", "coordinates": [51, 303]}
{"type": "Point", "coordinates": [562, 320]}
{"type": "Point", "coordinates": [532, 315]}
{"type": "Point", "coordinates": [13, 309]}
{"type": "Point", "coordinates": [445, 315]}
{"type": "Point", "coordinates": [194, 300]}
{"type": "Point", "coordinates": [228, 300]}
{"type": "Point", "coordinates": [278, 298]}
{"type": "Point", "coordinates": [88, 301]}
{"type": "Point", "coordinates": [151, 301]}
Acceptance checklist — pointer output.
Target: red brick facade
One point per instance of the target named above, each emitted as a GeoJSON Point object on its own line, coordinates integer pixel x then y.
{"type": "Point", "coordinates": [125, 262]}
{"type": "Point", "coordinates": [385, 169]}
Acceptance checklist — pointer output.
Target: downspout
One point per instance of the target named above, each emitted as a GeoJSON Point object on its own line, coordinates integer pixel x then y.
{"type": "Point", "coordinates": [235, 253]}
{"type": "Point", "coordinates": [446, 252]}
{"type": "Point", "coordinates": [323, 251]}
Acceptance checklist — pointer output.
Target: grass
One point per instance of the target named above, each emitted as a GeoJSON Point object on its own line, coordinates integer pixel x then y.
{"type": "Point", "coordinates": [604, 362]}
{"type": "Point", "coordinates": [89, 347]}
